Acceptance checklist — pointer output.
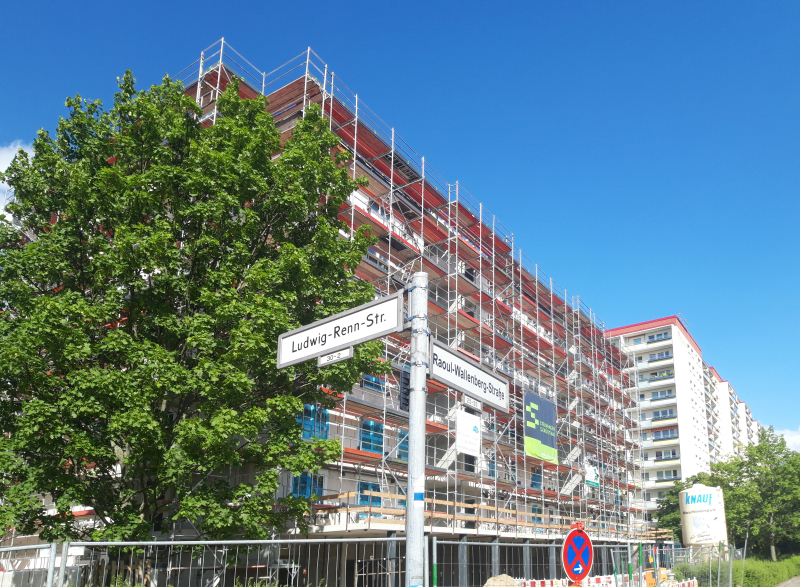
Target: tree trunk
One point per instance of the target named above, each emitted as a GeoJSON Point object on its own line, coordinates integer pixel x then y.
{"type": "Point", "coordinates": [772, 541]}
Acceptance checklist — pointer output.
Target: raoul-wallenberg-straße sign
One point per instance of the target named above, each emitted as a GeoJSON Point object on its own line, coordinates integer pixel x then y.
{"type": "Point", "coordinates": [459, 372]}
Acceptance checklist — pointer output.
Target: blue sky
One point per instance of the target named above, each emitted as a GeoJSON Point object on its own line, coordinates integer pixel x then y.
{"type": "Point", "coordinates": [644, 154]}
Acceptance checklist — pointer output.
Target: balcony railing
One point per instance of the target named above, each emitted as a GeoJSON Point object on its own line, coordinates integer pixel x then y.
{"type": "Point", "coordinates": [660, 377]}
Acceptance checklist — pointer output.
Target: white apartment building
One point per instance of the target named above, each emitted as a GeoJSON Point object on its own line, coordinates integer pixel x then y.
{"type": "Point", "coordinates": [690, 416]}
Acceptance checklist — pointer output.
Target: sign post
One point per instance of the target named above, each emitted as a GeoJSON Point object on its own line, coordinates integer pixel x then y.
{"type": "Point", "coordinates": [415, 493]}
{"type": "Point", "coordinates": [331, 340]}
{"type": "Point", "coordinates": [577, 554]}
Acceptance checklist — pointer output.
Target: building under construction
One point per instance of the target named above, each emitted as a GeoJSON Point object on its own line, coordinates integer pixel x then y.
{"type": "Point", "coordinates": [488, 301]}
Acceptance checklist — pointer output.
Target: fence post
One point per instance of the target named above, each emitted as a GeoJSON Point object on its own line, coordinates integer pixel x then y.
{"type": "Point", "coordinates": [434, 564]}
{"type": "Point", "coordinates": [495, 556]}
{"type": "Point", "coordinates": [730, 565]}
{"type": "Point", "coordinates": [62, 570]}
{"type": "Point", "coordinates": [553, 572]}
{"type": "Point", "coordinates": [641, 567]}
{"type": "Point", "coordinates": [51, 565]}
{"type": "Point", "coordinates": [426, 562]}
{"type": "Point", "coordinates": [526, 560]}
{"type": "Point", "coordinates": [343, 566]}
{"type": "Point", "coordinates": [630, 563]}
{"type": "Point", "coordinates": [391, 554]}
{"type": "Point", "coordinates": [462, 561]}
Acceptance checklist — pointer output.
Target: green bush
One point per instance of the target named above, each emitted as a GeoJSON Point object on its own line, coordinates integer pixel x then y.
{"type": "Point", "coordinates": [757, 572]}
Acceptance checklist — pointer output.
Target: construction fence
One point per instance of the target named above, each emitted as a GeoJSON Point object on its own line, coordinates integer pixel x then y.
{"type": "Point", "coordinates": [344, 562]}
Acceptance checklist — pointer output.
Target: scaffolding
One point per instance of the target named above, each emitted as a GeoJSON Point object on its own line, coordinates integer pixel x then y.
{"type": "Point", "coordinates": [488, 301]}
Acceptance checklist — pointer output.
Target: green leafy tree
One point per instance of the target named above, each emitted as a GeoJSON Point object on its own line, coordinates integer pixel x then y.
{"type": "Point", "coordinates": [761, 493]}
{"type": "Point", "coordinates": [140, 315]}
{"type": "Point", "coordinates": [669, 511]}
{"type": "Point", "coordinates": [772, 472]}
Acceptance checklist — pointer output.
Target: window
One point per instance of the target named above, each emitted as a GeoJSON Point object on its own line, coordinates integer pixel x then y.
{"type": "Point", "coordinates": [315, 422]}
{"type": "Point", "coordinates": [664, 414]}
{"type": "Point", "coordinates": [469, 463]}
{"type": "Point", "coordinates": [667, 433]}
{"type": "Point", "coordinates": [364, 499]}
{"type": "Point", "coordinates": [379, 211]}
{"type": "Point", "coordinates": [492, 468]}
{"type": "Point", "coordinates": [647, 476]}
{"type": "Point", "coordinates": [659, 336]}
{"type": "Point", "coordinates": [641, 395]}
{"type": "Point", "coordinates": [644, 435]}
{"type": "Point", "coordinates": [639, 359]}
{"type": "Point", "coordinates": [669, 474]}
{"type": "Point", "coordinates": [647, 496]}
{"type": "Point", "coordinates": [645, 456]}
{"type": "Point", "coordinates": [660, 356]}
{"type": "Point", "coordinates": [637, 340]}
{"type": "Point", "coordinates": [536, 480]}
{"type": "Point", "coordinates": [661, 394]}
{"type": "Point", "coordinates": [402, 446]}
{"type": "Point", "coordinates": [372, 382]}
{"type": "Point", "coordinates": [644, 416]}
{"type": "Point", "coordinates": [306, 485]}
{"type": "Point", "coordinates": [371, 436]}
{"type": "Point", "coordinates": [666, 454]}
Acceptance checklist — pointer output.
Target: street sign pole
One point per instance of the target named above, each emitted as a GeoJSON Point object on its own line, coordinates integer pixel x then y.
{"type": "Point", "coordinates": [415, 493]}
{"type": "Point", "coordinates": [577, 554]}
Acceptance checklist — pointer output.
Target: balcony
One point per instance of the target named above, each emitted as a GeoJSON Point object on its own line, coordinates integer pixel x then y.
{"type": "Point", "coordinates": [675, 458]}
{"type": "Point", "coordinates": [656, 463]}
{"type": "Point", "coordinates": [659, 359]}
{"type": "Point", "coordinates": [660, 377]}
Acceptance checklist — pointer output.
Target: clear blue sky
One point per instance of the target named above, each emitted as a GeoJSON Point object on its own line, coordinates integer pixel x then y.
{"type": "Point", "coordinates": [644, 153]}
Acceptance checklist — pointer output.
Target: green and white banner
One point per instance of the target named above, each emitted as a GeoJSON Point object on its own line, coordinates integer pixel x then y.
{"type": "Point", "coordinates": [540, 428]}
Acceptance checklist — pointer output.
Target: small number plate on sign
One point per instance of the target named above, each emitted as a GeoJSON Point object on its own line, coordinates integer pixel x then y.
{"type": "Point", "coordinates": [332, 358]}
{"type": "Point", "coordinates": [471, 403]}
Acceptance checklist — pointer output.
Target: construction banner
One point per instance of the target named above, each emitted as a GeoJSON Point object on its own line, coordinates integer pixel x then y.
{"type": "Point", "coordinates": [540, 428]}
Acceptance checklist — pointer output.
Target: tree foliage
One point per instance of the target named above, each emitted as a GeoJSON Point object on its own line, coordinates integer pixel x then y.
{"type": "Point", "coordinates": [139, 330]}
{"type": "Point", "coordinates": [762, 495]}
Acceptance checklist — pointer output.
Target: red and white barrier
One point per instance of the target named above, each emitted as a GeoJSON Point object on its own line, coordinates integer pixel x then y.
{"type": "Point", "coordinates": [620, 580]}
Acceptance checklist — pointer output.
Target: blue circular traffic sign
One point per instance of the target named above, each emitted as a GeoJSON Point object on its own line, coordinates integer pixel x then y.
{"type": "Point", "coordinates": [577, 554]}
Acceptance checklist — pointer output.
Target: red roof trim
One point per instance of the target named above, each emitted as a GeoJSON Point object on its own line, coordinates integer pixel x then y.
{"type": "Point", "coordinates": [673, 320]}
{"type": "Point", "coordinates": [715, 372]}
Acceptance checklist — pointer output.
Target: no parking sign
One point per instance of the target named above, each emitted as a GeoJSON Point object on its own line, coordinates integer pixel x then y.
{"type": "Point", "coordinates": [577, 554]}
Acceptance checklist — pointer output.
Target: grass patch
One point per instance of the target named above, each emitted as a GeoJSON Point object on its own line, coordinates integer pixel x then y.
{"type": "Point", "coordinates": [757, 572]}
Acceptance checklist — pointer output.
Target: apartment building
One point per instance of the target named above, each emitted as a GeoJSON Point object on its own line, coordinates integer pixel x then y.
{"type": "Point", "coordinates": [489, 303]}
{"type": "Point", "coordinates": [690, 416]}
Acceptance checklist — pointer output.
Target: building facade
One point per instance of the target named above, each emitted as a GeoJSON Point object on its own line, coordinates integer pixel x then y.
{"type": "Point", "coordinates": [489, 303]}
{"type": "Point", "coordinates": [690, 417]}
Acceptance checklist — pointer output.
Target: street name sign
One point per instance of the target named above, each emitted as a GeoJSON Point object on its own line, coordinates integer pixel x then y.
{"type": "Point", "coordinates": [458, 372]}
{"type": "Point", "coordinates": [577, 554]}
{"type": "Point", "coordinates": [366, 322]}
